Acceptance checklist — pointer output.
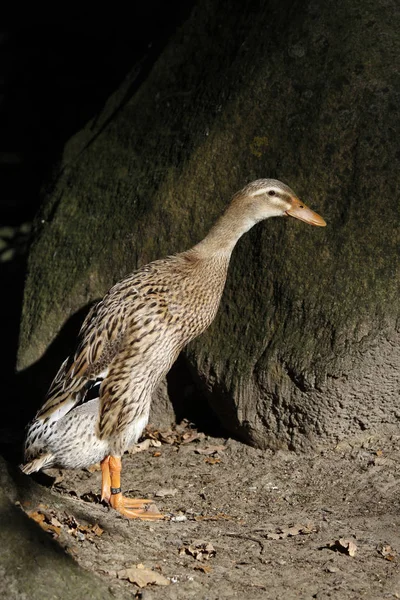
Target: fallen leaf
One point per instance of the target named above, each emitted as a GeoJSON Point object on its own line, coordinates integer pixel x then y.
{"type": "Point", "coordinates": [91, 497]}
{"type": "Point", "coordinates": [142, 577]}
{"type": "Point", "coordinates": [37, 516]}
{"type": "Point", "coordinates": [282, 533]}
{"type": "Point", "coordinates": [199, 551]}
{"type": "Point", "coordinates": [203, 568]}
{"type": "Point", "coordinates": [387, 552]}
{"type": "Point", "coordinates": [144, 445]}
{"type": "Point", "coordinates": [210, 450]}
{"type": "Point", "coordinates": [80, 531]}
{"type": "Point", "coordinates": [168, 437]}
{"type": "Point", "coordinates": [97, 530]}
{"type": "Point", "coordinates": [212, 461]}
{"type": "Point", "coordinates": [191, 436]}
{"type": "Point", "coordinates": [93, 468]}
{"type": "Point", "coordinates": [344, 545]}
{"type": "Point", "coordinates": [155, 443]}
{"type": "Point", "coordinates": [45, 523]}
{"type": "Point", "coordinates": [349, 545]}
{"type": "Point", "coordinates": [181, 434]}
{"type": "Point", "coordinates": [156, 454]}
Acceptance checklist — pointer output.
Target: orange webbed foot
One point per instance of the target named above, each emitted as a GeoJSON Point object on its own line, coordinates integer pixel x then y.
{"type": "Point", "coordinates": [131, 508]}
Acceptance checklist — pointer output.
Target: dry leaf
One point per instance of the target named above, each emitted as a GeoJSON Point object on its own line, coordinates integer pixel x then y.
{"type": "Point", "coordinates": [97, 530]}
{"type": "Point", "coordinates": [37, 516]}
{"type": "Point", "coordinates": [142, 577]}
{"type": "Point", "coordinates": [387, 551]}
{"type": "Point", "coordinates": [282, 533]}
{"type": "Point", "coordinates": [155, 443]}
{"type": "Point", "coordinates": [91, 497]}
{"type": "Point", "coordinates": [45, 523]}
{"type": "Point", "coordinates": [199, 551]}
{"type": "Point", "coordinates": [212, 461]}
{"type": "Point", "coordinates": [156, 454]}
{"type": "Point", "coordinates": [168, 437]}
{"type": "Point", "coordinates": [349, 545]}
{"type": "Point", "coordinates": [181, 434]}
{"type": "Point", "coordinates": [344, 545]}
{"type": "Point", "coordinates": [82, 532]}
{"type": "Point", "coordinates": [191, 436]}
{"type": "Point", "coordinates": [210, 450]}
{"type": "Point", "coordinates": [203, 568]}
{"type": "Point", "coordinates": [93, 468]}
{"type": "Point", "coordinates": [144, 445]}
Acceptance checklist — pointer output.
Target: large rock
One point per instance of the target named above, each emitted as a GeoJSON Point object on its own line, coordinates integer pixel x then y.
{"type": "Point", "coordinates": [305, 345]}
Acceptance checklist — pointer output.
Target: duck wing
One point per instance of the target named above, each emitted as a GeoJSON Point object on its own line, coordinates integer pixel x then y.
{"type": "Point", "coordinates": [100, 339]}
{"type": "Point", "coordinates": [117, 339]}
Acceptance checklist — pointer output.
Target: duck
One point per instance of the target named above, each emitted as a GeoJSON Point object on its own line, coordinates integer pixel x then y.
{"type": "Point", "coordinates": [99, 401]}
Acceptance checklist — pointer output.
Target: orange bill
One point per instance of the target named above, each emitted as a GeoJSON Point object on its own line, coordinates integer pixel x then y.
{"type": "Point", "coordinates": [300, 211]}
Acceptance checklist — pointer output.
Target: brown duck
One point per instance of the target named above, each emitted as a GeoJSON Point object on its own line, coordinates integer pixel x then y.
{"type": "Point", "coordinates": [99, 401]}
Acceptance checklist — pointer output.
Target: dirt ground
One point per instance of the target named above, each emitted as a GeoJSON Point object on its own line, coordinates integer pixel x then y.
{"type": "Point", "coordinates": [240, 522]}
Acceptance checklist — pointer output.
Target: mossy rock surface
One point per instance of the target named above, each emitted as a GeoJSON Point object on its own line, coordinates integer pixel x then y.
{"type": "Point", "coordinates": [305, 346]}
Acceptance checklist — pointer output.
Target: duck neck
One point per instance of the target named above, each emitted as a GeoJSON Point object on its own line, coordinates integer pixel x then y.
{"type": "Point", "coordinates": [226, 232]}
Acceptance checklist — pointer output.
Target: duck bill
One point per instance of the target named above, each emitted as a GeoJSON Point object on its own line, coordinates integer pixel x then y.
{"type": "Point", "coordinates": [300, 211]}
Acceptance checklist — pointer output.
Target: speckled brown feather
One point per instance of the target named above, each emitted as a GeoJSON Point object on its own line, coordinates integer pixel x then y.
{"type": "Point", "coordinates": [135, 333]}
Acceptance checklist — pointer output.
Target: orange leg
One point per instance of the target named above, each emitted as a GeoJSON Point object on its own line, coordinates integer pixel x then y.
{"type": "Point", "coordinates": [105, 480]}
{"type": "Point", "coordinates": [133, 508]}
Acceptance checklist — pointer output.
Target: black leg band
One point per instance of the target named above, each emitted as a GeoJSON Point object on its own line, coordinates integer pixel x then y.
{"type": "Point", "coordinates": [115, 491]}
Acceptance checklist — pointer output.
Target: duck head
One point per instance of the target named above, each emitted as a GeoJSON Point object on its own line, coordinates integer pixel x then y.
{"type": "Point", "coordinates": [266, 198]}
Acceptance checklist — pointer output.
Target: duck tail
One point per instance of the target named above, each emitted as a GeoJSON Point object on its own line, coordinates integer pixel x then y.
{"type": "Point", "coordinates": [43, 461]}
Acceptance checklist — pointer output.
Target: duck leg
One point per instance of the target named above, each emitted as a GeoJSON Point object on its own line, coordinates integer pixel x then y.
{"type": "Point", "coordinates": [105, 480]}
{"type": "Point", "coordinates": [133, 508]}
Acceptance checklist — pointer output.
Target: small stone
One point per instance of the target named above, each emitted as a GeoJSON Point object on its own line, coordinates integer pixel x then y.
{"type": "Point", "coordinates": [331, 569]}
{"type": "Point", "coordinates": [179, 518]}
{"type": "Point", "coordinates": [164, 492]}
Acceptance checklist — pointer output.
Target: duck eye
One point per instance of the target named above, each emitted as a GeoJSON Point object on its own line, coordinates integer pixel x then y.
{"type": "Point", "coordinates": [271, 193]}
